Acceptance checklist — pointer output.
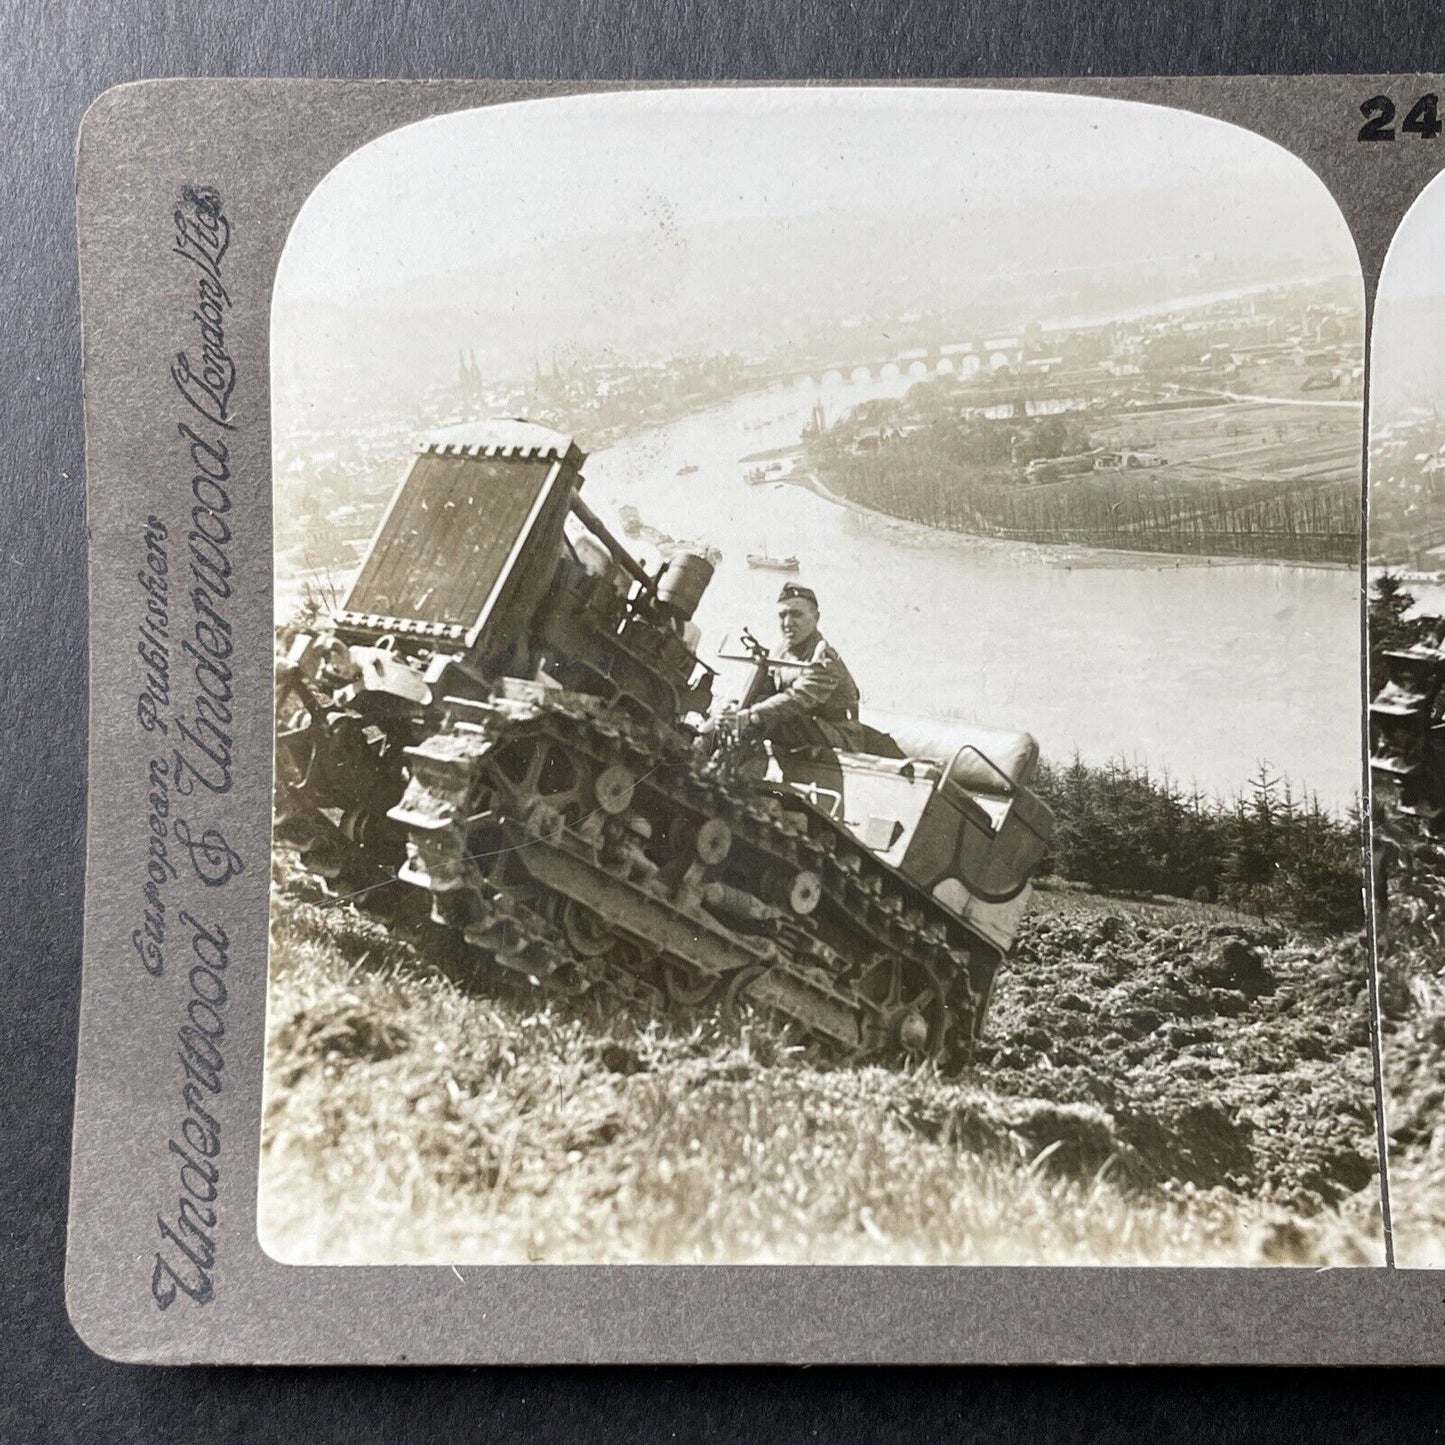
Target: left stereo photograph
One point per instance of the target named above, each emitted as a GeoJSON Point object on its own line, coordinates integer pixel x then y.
{"type": "Point", "coordinates": [791, 643]}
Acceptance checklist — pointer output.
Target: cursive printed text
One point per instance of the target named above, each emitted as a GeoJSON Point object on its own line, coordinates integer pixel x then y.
{"type": "Point", "coordinates": [185, 705]}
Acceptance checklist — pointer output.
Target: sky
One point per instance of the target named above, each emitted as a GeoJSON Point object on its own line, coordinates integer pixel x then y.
{"type": "Point", "coordinates": [478, 187]}
{"type": "Point", "coordinates": [1407, 358]}
{"type": "Point", "coordinates": [1415, 263]}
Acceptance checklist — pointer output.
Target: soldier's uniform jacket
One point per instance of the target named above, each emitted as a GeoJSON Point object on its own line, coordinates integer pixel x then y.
{"type": "Point", "coordinates": [822, 690]}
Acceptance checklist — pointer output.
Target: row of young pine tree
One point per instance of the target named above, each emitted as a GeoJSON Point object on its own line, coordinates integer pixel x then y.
{"type": "Point", "coordinates": [921, 480]}
{"type": "Point", "coordinates": [1267, 851]}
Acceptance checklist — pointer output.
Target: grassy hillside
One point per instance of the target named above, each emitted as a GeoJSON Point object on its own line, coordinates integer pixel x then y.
{"type": "Point", "coordinates": [1162, 1084]}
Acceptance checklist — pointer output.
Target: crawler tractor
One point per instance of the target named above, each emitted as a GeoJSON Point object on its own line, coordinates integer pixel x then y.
{"type": "Point", "coordinates": [508, 714]}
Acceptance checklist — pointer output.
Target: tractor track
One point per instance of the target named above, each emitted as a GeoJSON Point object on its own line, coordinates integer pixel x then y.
{"type": "Point", "coordinates": [569, 846]}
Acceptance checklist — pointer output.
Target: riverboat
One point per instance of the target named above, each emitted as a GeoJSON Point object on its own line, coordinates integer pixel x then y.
{"type": "Point", "coordinates": [766, 563]}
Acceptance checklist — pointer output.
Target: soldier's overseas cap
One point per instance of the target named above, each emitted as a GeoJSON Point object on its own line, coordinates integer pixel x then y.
{"type": "Point", "coordinates": [796, 589]}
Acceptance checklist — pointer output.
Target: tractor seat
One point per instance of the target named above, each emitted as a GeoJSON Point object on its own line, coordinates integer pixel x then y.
{"type": "Point", "coordinates": [956, 747]}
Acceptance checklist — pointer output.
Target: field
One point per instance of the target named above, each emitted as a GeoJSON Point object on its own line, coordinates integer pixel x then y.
{"type": "Point", "coordinates": [1162, 1083]}
{"type": "Point", "coordinates": [1246, 441]}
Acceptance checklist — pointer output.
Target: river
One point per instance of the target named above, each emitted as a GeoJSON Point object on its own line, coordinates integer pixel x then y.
{"type": "Point", "coordinates": [1203, 670]}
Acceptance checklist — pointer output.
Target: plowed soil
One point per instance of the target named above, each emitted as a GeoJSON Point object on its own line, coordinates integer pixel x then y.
{"type": "Point", "coordinates": [1161, 1083]}
{"type": "Point", "coordinates": [1217, 1053]}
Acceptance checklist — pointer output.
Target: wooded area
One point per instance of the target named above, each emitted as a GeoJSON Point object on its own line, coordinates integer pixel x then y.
{"type": "Point", "coordinates": [1290, 520]}
{"type": "Point", "coordinates": [1267, 850]}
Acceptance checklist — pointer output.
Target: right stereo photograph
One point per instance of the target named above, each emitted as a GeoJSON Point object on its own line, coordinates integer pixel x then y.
{"type": "Point", "coordinates": [1407, 716]}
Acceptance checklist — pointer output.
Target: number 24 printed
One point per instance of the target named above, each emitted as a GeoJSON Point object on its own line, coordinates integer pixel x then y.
{"type": "Point", "coordinates": [1422, 118]}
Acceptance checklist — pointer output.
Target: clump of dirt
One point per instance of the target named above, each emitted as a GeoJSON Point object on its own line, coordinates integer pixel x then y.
{"type": "Point", "coordinates": [347, 1031]}
{"type": "Point", "coordinates": [620, 1058]}
{"type": "Point", "coordinates": [1217, 1054]}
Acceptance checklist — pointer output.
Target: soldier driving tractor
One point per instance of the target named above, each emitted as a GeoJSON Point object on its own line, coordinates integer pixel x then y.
{"type": "Point", "coordinates": [809, 697]}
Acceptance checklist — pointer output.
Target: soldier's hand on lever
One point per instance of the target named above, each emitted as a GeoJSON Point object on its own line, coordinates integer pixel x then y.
{"type": "Point", "coordinates": [729, 727]}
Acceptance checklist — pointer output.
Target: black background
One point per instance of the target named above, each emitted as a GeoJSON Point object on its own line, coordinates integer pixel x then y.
{"type": "Point", "coordinates": [53, 62]}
